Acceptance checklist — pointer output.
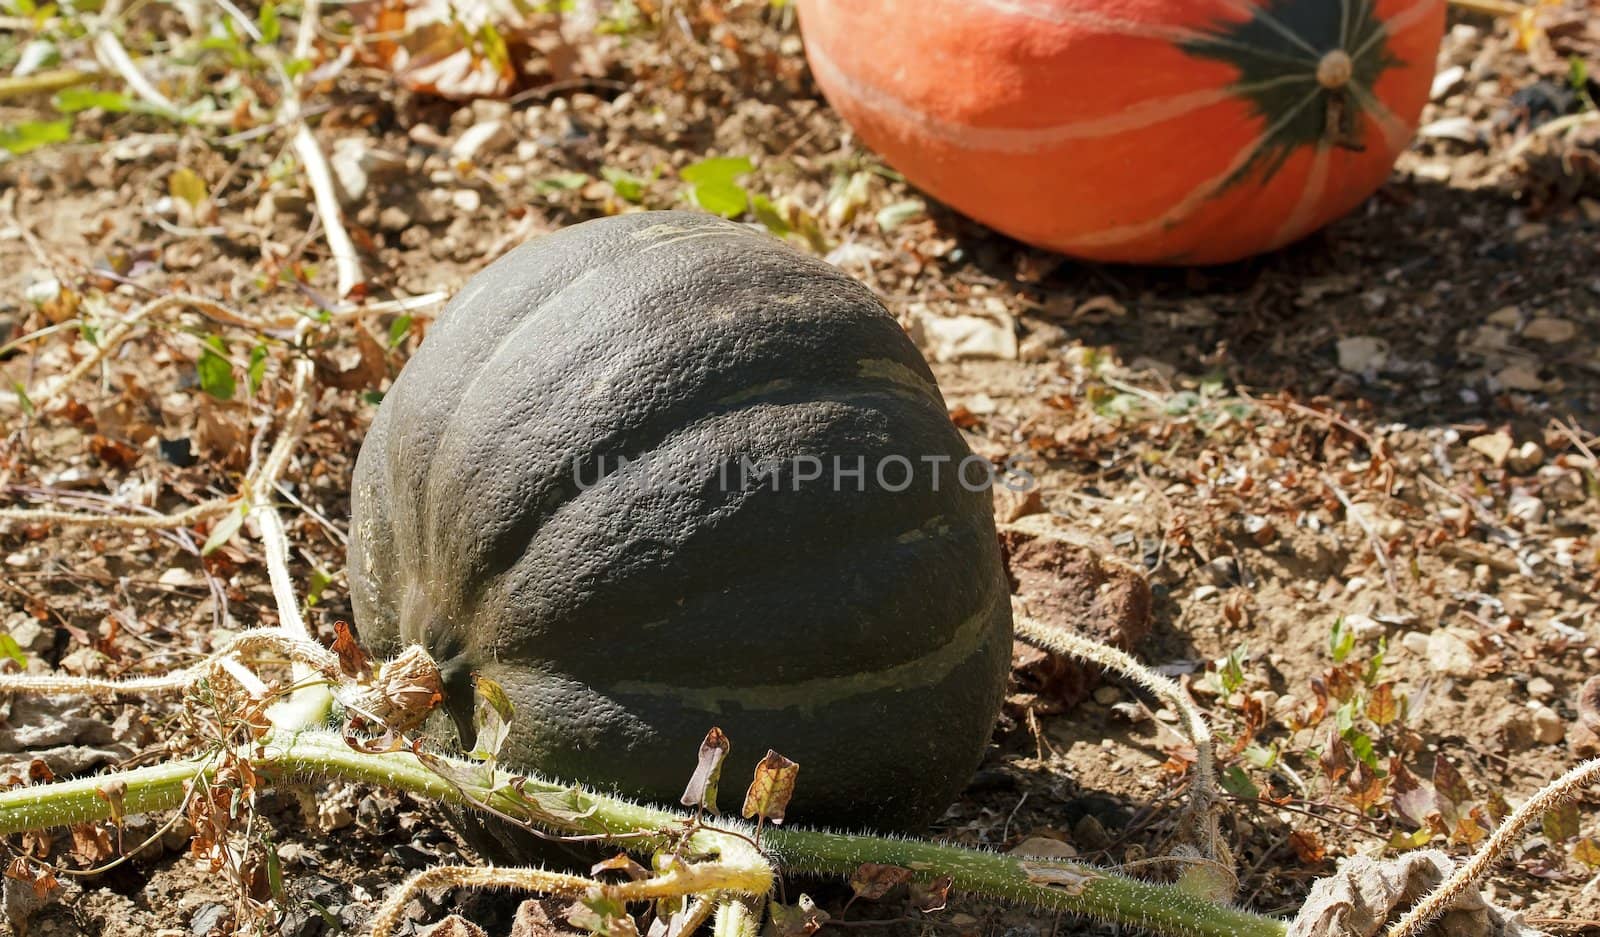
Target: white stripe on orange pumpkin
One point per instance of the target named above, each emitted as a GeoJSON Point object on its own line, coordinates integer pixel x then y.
{"type": "Point", "coordinates": [1305, 209]}
{"type": "Point", "coordinates": [1197, 196]}
{"type": "Point", "coordinates": [1135, 117]}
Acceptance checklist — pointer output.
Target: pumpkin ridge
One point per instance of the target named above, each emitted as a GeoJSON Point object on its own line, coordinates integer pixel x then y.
{"type": "Point", "coordinates": [1263, 12]}
{"type": "Point", "coordinates": [642, 439]}
{"type": "Point", "coordinates": [808, 522]}
{"type": "Point", "coordinates": [1205, 190]}
{"type": "Point", "coordinates": [1300, 217]}
{"type": "Point", "coordinates": [482, 367]}
{"type": "Point", "coordinates": [1097, 22]}
{"type": "Point", "coordinates": [808, 695]}
{"type": "Point", "coordinates": [754, 570]}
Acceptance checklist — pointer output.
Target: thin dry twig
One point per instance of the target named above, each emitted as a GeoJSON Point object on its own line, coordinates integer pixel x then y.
{"type": "Point", "coordinates": [1378, 549]}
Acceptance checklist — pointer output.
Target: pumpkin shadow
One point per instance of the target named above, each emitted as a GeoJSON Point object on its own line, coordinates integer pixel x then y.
{"type": "Point", "coordinates": [1430, 271]}
{"type": "Point", "coordinates": [1446, 282]}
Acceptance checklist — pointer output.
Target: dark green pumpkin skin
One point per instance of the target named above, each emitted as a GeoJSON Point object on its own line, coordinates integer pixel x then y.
{"type": "Point", "coordinates": [865, 634]}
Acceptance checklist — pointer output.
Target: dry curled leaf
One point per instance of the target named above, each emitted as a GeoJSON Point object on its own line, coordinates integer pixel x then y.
{"type": "Point", "coordinates": [1307, 845]}
{"type": "Point", "coordinates": [769, 793]}
{"type": "Point", "coordinates": [932, 896]}
{"type": "Point", "coordinates": [36, 875]}
{"type": "Point", "coordinates": [702, 790]}
{"type": "Point", "coordinates": [872, 881]}
{"type": "Point", "coordinates": [1071, 879]}
{"type": "Point", "coordinates": [353, 660]}
{"type": "Point", "coordinates": [91, 843]}
{"type": "Point", "coordinates": [801, 919]}
{"type": "Point", "coordinates": [1363, 894]}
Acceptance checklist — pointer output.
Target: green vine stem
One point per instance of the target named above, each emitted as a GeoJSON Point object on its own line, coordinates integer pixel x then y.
{"type": "Point", "coordinates": [1049, 884]}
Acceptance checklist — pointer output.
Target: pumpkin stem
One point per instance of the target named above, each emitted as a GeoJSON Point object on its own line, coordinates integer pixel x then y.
{"type": "Point", "coordinates": [1335, 69]}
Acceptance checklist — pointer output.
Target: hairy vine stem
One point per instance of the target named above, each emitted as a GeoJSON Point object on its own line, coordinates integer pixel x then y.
{"type": "Point", "coordinates": [741, 870]}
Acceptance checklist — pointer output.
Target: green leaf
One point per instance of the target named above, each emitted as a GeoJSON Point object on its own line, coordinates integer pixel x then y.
{"type": "Point", "coordinates": [398, 329]}
{"type": "Point", "coordinates": [563, 181]}
{"type": "Point", "coordinates": [227, 525]}
{"type": "Point", "coordinates": [1231, 673]}
{"type": "Point", "coordinates": [629, 187]}
{"type": "Point", "coordinates": [893, 216]}
{"type": "Point", "coordinates": [22, 397]}
{"type": "Point", "coordinates": [373, 397]}
{"type": "Point", "coordinates": [257, 370]}
{"type": "Point", "coordinates": [714, 186]}
{"type": "Point", "coordinates": [29, 135]}
{"type": "Point", "coordinates": [1376, 663]}
{"type": "Point", "coordinates": [1361, 744]}
{"type": "Point", "coordinates": [10, 648]}
{"type": "Point", "coordinates": [186, 184]}
{"type": "Point", "coordinates": [1561, 823]}
{"type": "Point", "coordinates": [319, 583]}
{"type": "Point", "coordinates": [73, 100]}
{"type": "Point", "coordinates": [267, 22]}
{"type": "Point", "coordinates": [216, 372]}
{"type": "Point", "coordinates": [1237, 783]}
{"type": "Point", "coordinates": [1400, 842]}
{"type": "Point", "coordinates": [491, 717]}
{"type": "Point", "coordinates": [1341, 640]}
{"type": "Point", "coordinates": [768, 214]}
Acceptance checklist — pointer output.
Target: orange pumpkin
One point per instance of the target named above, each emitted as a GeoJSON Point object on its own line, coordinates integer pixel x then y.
{"type": "Point", "coordinates": [1152, 131]}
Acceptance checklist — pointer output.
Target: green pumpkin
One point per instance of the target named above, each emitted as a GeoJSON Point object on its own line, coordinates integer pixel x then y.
{"type": "Point", "coordinates": [591, 484]}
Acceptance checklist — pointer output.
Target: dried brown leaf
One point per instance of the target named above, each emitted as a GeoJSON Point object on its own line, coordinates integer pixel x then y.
{"type": "Point", "coordinates": [770, 790]}
{"type": "Point", "coordinates": [872, 880]}
{"type": "Point", "coordinates": [702, 790]}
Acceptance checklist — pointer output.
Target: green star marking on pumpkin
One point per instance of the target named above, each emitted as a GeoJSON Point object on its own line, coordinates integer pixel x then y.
{"type": "Point", "coordinates": [1305, 67]}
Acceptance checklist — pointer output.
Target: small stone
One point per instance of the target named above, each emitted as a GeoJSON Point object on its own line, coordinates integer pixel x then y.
{"type": "Point", "coordinates": [356, 164]}
{"type": "Point", "coordinates": [393, 218]}
{"type": "Point", "coordinates": [1525, 507]}
{"type": "Point", "coordinates": [1107, 695]}
{"type": "Point", "coordinates": [410, 857]}
{"type": "Point", "coordinates": [1506, 317]}
{"type": "Point", "coordinates": [466, 200]}
{"type": "Point", "coordinates": [1540, 688]}
{"type": "Point", "coordinates": [965, 337]}
{"type": "Point", "coordinates": [1363, 626]}
{"type": "Point", "coordinates": [1547, 726]}
{"type": "Point", "coordinates": [332, 815]}
{"type": "Point", "coordinates": [1090, 833]}
{"type": "Point", "coordinates": [1039, 343]}
{"type": "Point", "coordinates": [1525, 458]}
{"type": "Point", "coordinates": [1131, 713]}
{"type": "Point", "coordinates": [482, 139]}
{"type": "Point", "coordinates": [1450, 654]}
{"type": "Point", "coordinates": [1520, 376]}
{"type": "Point", "coordinates": [1456, 129]}
{"type": "Point", "coordinates": [43, 290]}
{"type": "Point", "coordinates": [1529, 231]}
{"type": "Point", "coordinates": [1362, 354]}
{"type": "Point", "coordinates": [1495, 447]}
{"type": "Point", "coordinates": [210, 919]}
{"type": "Point", "coordinates": [31, 636]}
{"type": "Point", "coordinates": [1551, 330]}
{"type": "Point", "coordinates": [1446, 82]}
{"type": "Point", "coordinates": [1043, 847]}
